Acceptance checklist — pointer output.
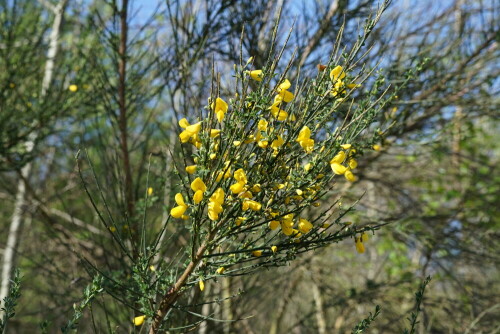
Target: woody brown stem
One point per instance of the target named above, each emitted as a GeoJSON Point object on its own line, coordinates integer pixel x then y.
{"type": "Point", "coordinates": [175, 292]}
{"type": "Point", "coordinates": [123, 112]}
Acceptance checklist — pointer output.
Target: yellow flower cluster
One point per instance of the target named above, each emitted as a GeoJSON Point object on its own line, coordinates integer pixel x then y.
{"type": "Point", "coordinates": [337, 76]}
{"type": "Point", "coordinates": [286, 223]}
{"type": "Point", "coordinates": [263, 180]}
{"type": "Point", "coordinates": [190, 132]}
{"type": "Point", "coordinates": [283, 96]}
{"type": "Point", "coordinates": [304, 139]}
{"type": "Point", "coordinates": [241, 179]}
{"type": "Point", "coordinates": [337, 163]}
{"type": "Point", "coordinates": [215, 204]}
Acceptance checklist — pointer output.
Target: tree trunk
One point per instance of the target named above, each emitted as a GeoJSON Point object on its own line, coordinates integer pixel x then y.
{"type": "Point", "coordinates": [320, 314]}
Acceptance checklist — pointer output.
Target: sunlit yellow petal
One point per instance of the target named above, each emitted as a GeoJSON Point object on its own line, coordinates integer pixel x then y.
{"type": "Point", "coordinates": [198, 184]}
{"type": "Point", "coordinates": [178, 211]}
{"type": "Point", "coordinates": [198, 196]}
{"type": "Point", "coordinates": [350, 176]}
{"type": "Point", "coordinates": [214, 133]}
{"type": "Point", "coordinates": [284, 85]}
{"type": "Point", "coordinates": [273, 224]}
{"type": "Point", "coordinates": [304, 225]}
{"type": "Point", "coordinates": [179, 199]}
{"type": "Point", "coordinates": [256, 75]}
{"type": "Point", "coordinates": [352, 163]}
{"type": "Point", "coordinates": [262, 126]}
{"type": "Point", "coordinates": [338, 158]}
{"type": "Point", "coordinates": [257, 253]}
{"type": "Point", "coordinates": [183, 123]}
{"type": "Point", "coordinates": [139, 320]}
{"type": "Point", "coordinates": [337, 73]}
{"type": "Point", "coordinates": [338, 168]}
{"type": "Point", "coordinates": [191, 169]}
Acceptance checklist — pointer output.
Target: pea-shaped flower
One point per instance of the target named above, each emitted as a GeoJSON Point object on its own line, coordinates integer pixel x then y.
{"type": "Point", "coordinates": [178, 211]}
{"type": "Point", "coordinates": [199, 188]}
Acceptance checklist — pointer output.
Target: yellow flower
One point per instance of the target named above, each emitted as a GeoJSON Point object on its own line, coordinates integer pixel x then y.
{"type": "Point", "coordinates": [377, 147]}
{"type": "Point", "coordinates": [249, 139]}
{"type": "Point", "coordinates": [273, 224]}
{"type": "Point", "coordinates": [152, 268]}
{"type": "Point", "coordinates": [278, 113]}
{"type": "Point", "coordinates": [337, 73]}
{"type": "Point", "coordinates": [338, 168]}
{"type": "Point", "coordinates": [263, 143]}
{"type": "Point", "coordinates": [220, 109]}
{"type": "Point", "coordinates": [215, 204]}
{"type": "Point", "coordinates": [73, 88]}
{"type": "Point", "coordinates": [236, 143]}
{"type": "Point", "coordinates": [239, 186]}
{"type": "Point", "coordinates": [350, 176]}
{"type": "Point", "coordinates": [179, 210]}
{"type": "Point", "coordinates": [304, 139]}
{"type": "Point", "coordinates": [150, 191]}
{"type": "Point", "coordinates": [183, 123]}
{"type": "Point", "coordinates": [139, 320]}
{"type": "Point", "coordinates": [240, 176]}
{"type": "Point", "coordinates": [199, 188]}
{"type": "Point", "coordinates": [214, 133]}
{"type": "Point", "coordinates": [256, 75]}
{"type": "Point", "coordinates": [286, 95]}
{"type": "Point", "coordinates": [256, 188]}
{"type": "Point", "coordinates": [304, 225]}
{"type": "Point", "coordinates": [346, 146]}
{"type": "Point", "coordinates": [252, 205]}
{"type": "Point", "coordinates": [190, 130]}
{"type": "Point", "coordinates": [277, 143]}
{"type": "Point", "coordinates": [191, 169]}
{"type": "Point", "coordinates": [296, 233]}
{"type": "Point", "coordinates": [352, 163]}
{"type": "Point", "coordinates": [239, 221]}
{"type": "Point", "coordinates": [284, 85]}
{"type": "Point", "coordinates": [359, 245]}
{"type": "Point", "coordinates": [262, 126]}
{"type": "Point", "coordinates": [287, 224]}
{"type": "Point", "coordinates": [202, 285]}
{"type": "Point", "coordinates": [245, 194]}
{"type": "Point", "coordinates": [274, 249]}
{"type": "Point", "coordinates": [220, 270]}
{"type": "Point", "coordinates": [257, 253]}
{"type": "Point", "coordinates": [338, 158]}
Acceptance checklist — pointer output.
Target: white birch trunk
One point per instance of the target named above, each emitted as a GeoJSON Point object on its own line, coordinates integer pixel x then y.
{"type": "Point", "coordinates": [20, 203]}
